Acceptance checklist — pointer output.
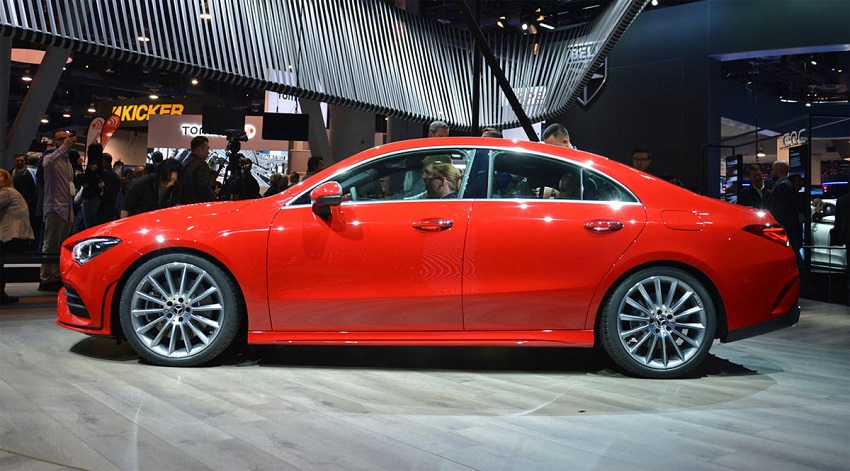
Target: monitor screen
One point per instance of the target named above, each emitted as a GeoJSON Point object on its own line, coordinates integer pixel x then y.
{"type": "Point", "coordinates": [218, 120]}
{"type": "Point", "coordinates": [286, 126]}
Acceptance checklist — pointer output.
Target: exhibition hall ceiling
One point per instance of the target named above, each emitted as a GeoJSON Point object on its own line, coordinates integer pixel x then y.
{"type": "Point", "coordinates": [822, 77]}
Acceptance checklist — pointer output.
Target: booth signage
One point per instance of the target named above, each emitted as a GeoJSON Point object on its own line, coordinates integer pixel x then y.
{"type": "Point", "coordinates": [793, 138]}
{"type": "Point", "coordinates": [176, 132]}
{"type": "Point", "coordinates": [195, 129]}
{"type": "Point", "coordinates": [143, 111]}
{"type": "Point", "coordinates": [137, 112]}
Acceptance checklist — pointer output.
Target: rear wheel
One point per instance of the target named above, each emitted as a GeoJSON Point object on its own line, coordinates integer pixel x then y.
{"type": "Point", "coordinates": [658, 323]}
{"type": "Point", "coordinates": [179, 310]}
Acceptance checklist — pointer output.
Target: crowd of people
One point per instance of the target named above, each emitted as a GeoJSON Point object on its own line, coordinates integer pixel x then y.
{"type": "Point", "coordinates": [47, 197]}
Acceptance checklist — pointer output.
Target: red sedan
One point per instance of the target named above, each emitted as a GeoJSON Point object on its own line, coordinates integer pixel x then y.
{"type": "Point", "coordinates": [455, 241]}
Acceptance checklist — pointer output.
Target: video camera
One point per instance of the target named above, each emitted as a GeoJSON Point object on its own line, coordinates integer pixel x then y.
{"type": "Point", "coordinates": [232, 186]}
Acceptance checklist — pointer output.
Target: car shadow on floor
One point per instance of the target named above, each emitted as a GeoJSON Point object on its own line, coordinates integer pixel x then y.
{"type": "Point", "coordinates": [525, 359]}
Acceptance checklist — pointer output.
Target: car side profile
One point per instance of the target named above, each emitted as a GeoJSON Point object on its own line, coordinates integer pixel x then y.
{"type": "Point", "coordinates": [824, 255]}
{"type": "Point", "coordinates": [537, 245]}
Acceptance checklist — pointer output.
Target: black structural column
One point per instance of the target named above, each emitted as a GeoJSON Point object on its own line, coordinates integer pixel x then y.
{"type": "Point", "coordinates": [37, 99]}
{"type": "Point", "coordinates": [481, 42]}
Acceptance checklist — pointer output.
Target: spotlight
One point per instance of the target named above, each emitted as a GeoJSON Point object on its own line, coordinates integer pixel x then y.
{"type": "Point", "coordinates": [654, 3]}
{"type": "Point", "coordinates": [194, 81]}
{"type": "Point", "coordinates": [525, 26]}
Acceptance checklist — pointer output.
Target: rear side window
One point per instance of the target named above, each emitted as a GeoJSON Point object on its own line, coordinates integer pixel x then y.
{"type": "Point", "coordinates": [519, 175]}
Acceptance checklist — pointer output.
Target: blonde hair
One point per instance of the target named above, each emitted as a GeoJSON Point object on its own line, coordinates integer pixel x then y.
{"type": "Point", "coordinates": [7, 178]}
{"type": "Point", "coordinates": [447, 171]}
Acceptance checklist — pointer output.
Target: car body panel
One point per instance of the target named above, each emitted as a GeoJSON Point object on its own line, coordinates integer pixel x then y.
{"type": "Point", "coordinates": [365, 251]}
{"type": "Point", "coordinates": [512, 281]}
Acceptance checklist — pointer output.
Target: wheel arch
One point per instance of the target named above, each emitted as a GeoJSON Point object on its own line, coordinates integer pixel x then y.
{"type": "Point", "coordinates": [722, 325]}
{"type": "Point", "coordinates": [114, 309]}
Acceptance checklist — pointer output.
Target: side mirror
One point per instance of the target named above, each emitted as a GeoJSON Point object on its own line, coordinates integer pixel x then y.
{"type": "Point", "coordinates": [324, 196]}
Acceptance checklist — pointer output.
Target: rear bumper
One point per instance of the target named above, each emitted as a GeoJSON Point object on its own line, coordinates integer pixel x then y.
{"type": "Point", "coordinates": [786, 320]}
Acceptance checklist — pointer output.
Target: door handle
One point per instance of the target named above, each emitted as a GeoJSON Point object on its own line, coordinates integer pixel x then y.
{"type": "Point", "coordinates": [433, 225]}
{"type": "Point", "coordinates": [603, 226]}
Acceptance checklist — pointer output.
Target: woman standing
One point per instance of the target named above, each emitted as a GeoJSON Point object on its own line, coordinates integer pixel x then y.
{"type": "Point", "coordinates": [15, 230]}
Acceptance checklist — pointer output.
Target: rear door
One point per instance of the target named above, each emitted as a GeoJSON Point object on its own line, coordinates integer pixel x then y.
{"type": "Point", "coordinates": [536, 249]}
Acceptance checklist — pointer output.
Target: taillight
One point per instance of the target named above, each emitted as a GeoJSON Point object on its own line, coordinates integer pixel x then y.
{"type": "Point", "coordinates": [769, 231]}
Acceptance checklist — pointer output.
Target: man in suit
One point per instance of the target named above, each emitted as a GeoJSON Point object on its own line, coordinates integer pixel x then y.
{"type": "Point", "coordinates": [755, 195]}
{"type": "Point", "coordinates": [784, 206]}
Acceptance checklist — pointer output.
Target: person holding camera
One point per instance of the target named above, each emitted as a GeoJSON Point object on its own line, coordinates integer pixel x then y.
{"type": "Point", "coordinates": [59, 191]}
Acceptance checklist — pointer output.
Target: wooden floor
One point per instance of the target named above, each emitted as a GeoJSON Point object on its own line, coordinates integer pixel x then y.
{"type": "Point", "coordinates": [776, 402]}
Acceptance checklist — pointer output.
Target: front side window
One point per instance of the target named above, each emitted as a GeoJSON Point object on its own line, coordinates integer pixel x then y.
{"type": "Point", "coordinates": [431, 174]}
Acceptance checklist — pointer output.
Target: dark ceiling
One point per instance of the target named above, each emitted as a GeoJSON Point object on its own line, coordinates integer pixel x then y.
{"type": "Point", "coordinates": [90, 79]}
{"type": "Point", "coordinates": [804, 78]}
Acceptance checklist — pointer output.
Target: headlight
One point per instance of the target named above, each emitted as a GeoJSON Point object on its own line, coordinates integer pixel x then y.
{"type": "Point", "coordinates": [90, 248]}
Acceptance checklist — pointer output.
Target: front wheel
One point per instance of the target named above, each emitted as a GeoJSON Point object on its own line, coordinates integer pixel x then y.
{"type": "Point", "coordinates": [180, 310]}
{"type": "Point", "coordinates": [658, 323]}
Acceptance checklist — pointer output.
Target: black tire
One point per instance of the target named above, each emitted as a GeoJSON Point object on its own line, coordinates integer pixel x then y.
{"type": "Point", "coordinates": [659, 322]}
{"type": "Point", "coordinates": [180, 310]}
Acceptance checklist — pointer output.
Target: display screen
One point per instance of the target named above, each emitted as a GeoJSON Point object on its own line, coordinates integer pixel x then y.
{"type": "Point", "coordinates": [286, 126]}
{"type": "Point", "coordinates": [219, 120]}
{"type": "Point", "coordinates": [797, 160]}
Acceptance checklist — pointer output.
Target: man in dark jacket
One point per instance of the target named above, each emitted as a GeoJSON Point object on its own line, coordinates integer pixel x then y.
{"type": "Point", "coordinates": [196, 173]}
{"type": "Point", "coordinates": [755, 195]}
{"type": "Point", "coordinates": [153, 190]}
{"type": "Point", "coordinates": [784, 206]}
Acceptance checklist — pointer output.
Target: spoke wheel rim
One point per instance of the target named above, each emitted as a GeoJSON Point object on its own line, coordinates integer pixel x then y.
{"type": "Point", "coordinates": [177, 310]}
{"type": "Point", "coordinates": [661, 322]}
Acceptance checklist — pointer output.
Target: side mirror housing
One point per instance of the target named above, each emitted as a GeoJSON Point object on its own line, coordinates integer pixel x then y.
{"type": "Point", "coordinates": [324, 196]}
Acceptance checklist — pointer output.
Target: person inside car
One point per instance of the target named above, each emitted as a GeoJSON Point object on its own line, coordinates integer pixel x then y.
{"type": "Point", "coordinates": [441, 180]}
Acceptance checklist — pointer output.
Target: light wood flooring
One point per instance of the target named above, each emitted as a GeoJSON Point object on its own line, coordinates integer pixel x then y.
{"type": "Point", "coordinates": [776, 402]}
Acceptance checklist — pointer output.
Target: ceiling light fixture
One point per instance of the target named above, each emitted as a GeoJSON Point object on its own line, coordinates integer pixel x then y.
{"type": "Point", "coordinates": [761, 152]}
{"type": "Point", "coordinates": [205, 16]}
{"type": "Point", "coordinates": [546, 25]}
{"type": "Point", "coordinates": [26, 77]}
{"type": "Point", "coordinates": [44, 120]}
{"type": "Point", "coordinates": [154, 96]}
{"type": "Point", "coordinates": [91, 108]}
{"type": "Point", "coordinates": [194, 81]}
{"type": "Point", "coordinates": [143, 39]}
{"type": "Point", "coordinates": [654, 3]}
